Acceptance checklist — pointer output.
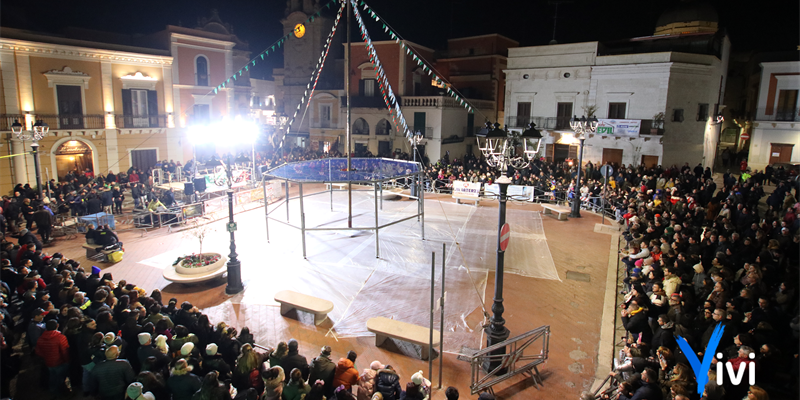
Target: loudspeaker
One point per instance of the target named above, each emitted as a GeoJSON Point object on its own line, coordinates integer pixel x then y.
{"type": "Point", "coordinates": [200, 184]}
{"type": "Point", "coordinates": [188, 188]}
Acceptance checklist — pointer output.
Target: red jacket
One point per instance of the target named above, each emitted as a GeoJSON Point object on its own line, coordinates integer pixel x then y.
{"type": "Point", "coordinates": [53, 347]}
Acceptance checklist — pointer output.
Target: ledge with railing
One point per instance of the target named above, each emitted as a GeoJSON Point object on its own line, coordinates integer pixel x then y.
{"type": "Point", "coordinates": [87, 121]}
{"type": "Point", "coordinates": [444, 102]}
{"type": "Point", "coordinates": [519, 121]}
{"type": "Point", "coordinates": [777, 114]}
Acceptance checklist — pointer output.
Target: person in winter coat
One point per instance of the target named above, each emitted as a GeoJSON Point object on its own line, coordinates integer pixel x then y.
{"type": "Point", "coordinates": [273, 382]}
{"type": "Point", "coordinates": [293, 360]}
{"type": "Point", "coordinates": [322, 368]}
{"type": "Point", "coordinates": [110, 378]}
{"type": "Point", "coordinates": [388, 384]}
{"type": "Point", "coordinates": [634, 319]}
{"type": "Point", "coordinates": [297, 387]}
{"type": "Point", "coordinates": [366, 383]}
{"type": "Point", "coordinates": [413, 392]}
{"type": "Point", "coordinates": [214, 362]}
{"type": "Point", "coordinates": [212, 389]}
{"type": "Point", "coordinates": [665, 334]}
{"type": "Point", "coordinates": [53, 347]}
{"type": "Point", "coordinates": [182, 383]}
{"type": "Point", "coordinates": [346, 373]}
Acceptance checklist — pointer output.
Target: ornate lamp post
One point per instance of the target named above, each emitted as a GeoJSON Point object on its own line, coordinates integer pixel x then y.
{"type": "Point", "coordinates": [501, 150]}
{"type": "Point", "coordinates": [234, 266]}
{"type": "Point", "coordinates": [40, 130]}
{"type": "Point", "coordinates": [415, 138]}
{"type": "Point", "coordinates": [581, 127]}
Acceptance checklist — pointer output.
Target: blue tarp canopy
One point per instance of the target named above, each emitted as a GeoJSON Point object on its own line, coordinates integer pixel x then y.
{"type": "Point", "coordinates": [335, 170]}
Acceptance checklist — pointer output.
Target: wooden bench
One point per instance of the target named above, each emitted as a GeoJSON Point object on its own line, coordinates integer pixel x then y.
{"type": "Point", "coordinates": [96, 252]}
{"type": "Point", "coordinates": [303, 302]}
{"type": "Point", "coordinates": [384, 328]}
{"type": "Point", "coordinates": [561, 212]}
{"type": "Point", "coordinates": [458, 198]}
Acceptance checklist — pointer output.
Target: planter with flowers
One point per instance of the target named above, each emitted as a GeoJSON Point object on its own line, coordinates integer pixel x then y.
{"type": "Point", "coordinates": [199, 263]}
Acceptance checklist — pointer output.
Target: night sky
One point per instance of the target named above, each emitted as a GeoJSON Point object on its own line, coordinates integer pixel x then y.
{"type": "Point", "coordinates": [765, 25]}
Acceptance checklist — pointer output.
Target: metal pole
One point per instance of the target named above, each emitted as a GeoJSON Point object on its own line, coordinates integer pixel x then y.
{"type": "Point", "coordinates": [347, 128]}
{"type": "Point", "coordinates": [421, 207]}
{"type": "Point", "coordinates": [266, 207]}
{"type": "Point", "coordinates": [377, 230]}
{"type": "Point", "coordinates": [287, 200]}
{"type": "Point", "coordinates": [35, 154]}
{"type": "Point", "coordinates": [497, 332]}
{"type": "Point", "coordinates": [330, 187]}
{"type": "Point", "coordinates": [576, 204]}
{"type": "Point", "coordinates": [234, 266]}
{"type": "Point", "coordinates": [433, 293]}
{"type": "Point", "coordinates": [441, 317]}
{"type": "Point", "coordinates": [603, 199]}
{"type": "Point", "coordinates": [302, 220]}
{"type": "Point", "coordinates": [414, 179]}
{"type": "Point", "coordinates": [380, 186]}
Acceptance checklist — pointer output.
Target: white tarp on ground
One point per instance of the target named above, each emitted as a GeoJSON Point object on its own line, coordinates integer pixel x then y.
{"type": "Point", "coordinates": [342, 267]}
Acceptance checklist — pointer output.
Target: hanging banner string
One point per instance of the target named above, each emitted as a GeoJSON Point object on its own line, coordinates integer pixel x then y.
{"type": "Point", "coordinates": [260, 57]}
{"type": "Point", "coordinates": [314, 76]}
{"type": "Point", "coordinates": [420, 60]}
{"type": "Point", "coordinates": [386, 89]}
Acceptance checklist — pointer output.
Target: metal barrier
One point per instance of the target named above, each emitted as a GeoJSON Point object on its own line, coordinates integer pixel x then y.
{"type": "Point", "coordinates": [508, 364]}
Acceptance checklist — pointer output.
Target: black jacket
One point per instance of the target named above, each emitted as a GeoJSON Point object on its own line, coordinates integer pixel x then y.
{"type": "Point", "coordinates": [388, 384]}
{"type": "Point", "coordinates": [664, 336]}
{"type": "Point", "coordinates": [637, 324]}
{"type": "Point", "coordinates": [295, 360]}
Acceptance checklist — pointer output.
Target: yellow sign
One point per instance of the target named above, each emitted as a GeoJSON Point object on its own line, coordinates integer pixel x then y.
{"type": "Point", "coordinates": [299, 30]}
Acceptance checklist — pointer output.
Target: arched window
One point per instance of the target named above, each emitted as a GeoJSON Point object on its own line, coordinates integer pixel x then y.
{"type": "Point", "coordinates": [383, 127]}
{"type": "Point", "coordinates": [201, 70]}
{"type": "Point", "coordinates": [360, 127]}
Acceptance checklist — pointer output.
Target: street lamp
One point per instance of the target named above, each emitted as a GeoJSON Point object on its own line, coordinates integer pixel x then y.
{"type": "Point", "coordinates": [234, 266]}
{"type": "Point", "coordinates": [581, 127]}
{"type": "Point", "coordinates": [40, 130]}
{"type": "Point", "coordinates": [501, 150]}
{"type": "Point", "coordinates": [415, 138]}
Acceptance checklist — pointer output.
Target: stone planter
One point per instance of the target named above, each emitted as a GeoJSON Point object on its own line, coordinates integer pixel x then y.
{"type": "Point", "coordinates": [179, 268]}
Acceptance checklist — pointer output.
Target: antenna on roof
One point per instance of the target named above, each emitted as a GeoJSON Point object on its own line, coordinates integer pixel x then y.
{"type": "Point", "coordinates": [555, 16]}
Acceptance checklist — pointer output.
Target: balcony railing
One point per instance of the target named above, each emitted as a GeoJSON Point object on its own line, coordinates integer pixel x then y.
{"type": "Point", "coordinates": [364, 102]}
{"type": "Point", "coordinates": [73, 121]}
{"type": "Point", "coordinates": [87, 121]}
{"type": "Point", "coordinates": [7, 119]}
{"type": "Point", "coordinates": [518, 121]}
{"type": "Point", "coordinates": [140, 121]}
{"type": "Point", "coordinates": [777, 114]}
{"type": "Point", "coordinates": [444, 101]}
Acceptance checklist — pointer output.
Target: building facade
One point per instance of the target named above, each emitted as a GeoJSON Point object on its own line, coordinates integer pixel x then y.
{"type": "Point", "coordinates": [775, 130]}
{"type": "Point", "coordinates": [112, 101]}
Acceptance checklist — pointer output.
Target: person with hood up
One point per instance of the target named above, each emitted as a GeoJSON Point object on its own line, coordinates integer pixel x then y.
{"type": "Point", "coordinates": [273, 382]}
{"type": "Point", "coordinates": [346, 372]}
{"type": "Point", "coordinates": [322, 368]}
{"type": "Point", "coordinates": [135, 392]}
{"type": "Point", "coordinates": [297, 388]}
{"type": "Point", "coordinates": [182, 383]}
{"type": "Point", "coordinates": [366, 383]}
{"type": "Point", "coordinates": [388, 384]}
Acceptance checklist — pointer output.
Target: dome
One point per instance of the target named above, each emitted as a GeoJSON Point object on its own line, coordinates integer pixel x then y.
{"type": "Point", "coordinates": [688, 17]}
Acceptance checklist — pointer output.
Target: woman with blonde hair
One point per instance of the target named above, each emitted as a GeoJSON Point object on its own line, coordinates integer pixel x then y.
{"type": "Point", "coordinates": [280, 351]}
{"type": "Point", "coordinates": [681, 375]}
{"type": "Point", "coordinates": [246, 364]}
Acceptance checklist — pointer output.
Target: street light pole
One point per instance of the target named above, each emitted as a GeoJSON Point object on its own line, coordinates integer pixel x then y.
{"type": "Point", "coordinates": [497, 332]}
{"type": "Point", "coordinates": [234, 266]}
{"type": "Point", "coordinates": [35, 154]}
{"type": "Point", "coordinates": [40, 130]}
{"type": "Point", "coordinates": [580, 127]}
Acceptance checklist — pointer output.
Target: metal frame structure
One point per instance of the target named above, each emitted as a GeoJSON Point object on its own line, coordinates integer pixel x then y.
{"type": "Point", "coordinates": [505, 364]}
{"type": "Point", "coordinates": [377, 182]}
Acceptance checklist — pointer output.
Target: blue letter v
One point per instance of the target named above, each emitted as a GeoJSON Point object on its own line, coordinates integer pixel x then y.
{"type": "Point", "coordinates": [701, 370]}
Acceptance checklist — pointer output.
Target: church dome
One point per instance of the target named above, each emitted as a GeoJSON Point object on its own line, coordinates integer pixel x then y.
{"type": "Point", "coordinates": [688, 17]}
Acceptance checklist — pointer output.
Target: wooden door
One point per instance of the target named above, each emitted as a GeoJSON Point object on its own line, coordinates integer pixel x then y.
{"type": "Point", "coordinates": [70, 107]}
{"type": "Point", "coordinates": [650, 161]}
{"type": "Point", "coordinates": [780, 153]}
{"type": "Point", "coordinates": [613, 156]}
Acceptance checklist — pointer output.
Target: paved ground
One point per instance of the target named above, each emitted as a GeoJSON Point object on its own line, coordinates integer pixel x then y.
{"type": "Point", "coordinates": [573, 308]}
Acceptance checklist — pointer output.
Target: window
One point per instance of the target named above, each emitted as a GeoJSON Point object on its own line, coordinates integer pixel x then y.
{"type": "Point", "coordinates": [787, 105]}
{"type": "Point", "coordinates": [360, 127]}
{"type": "Point", "coordinates": [70, 106]}
{"type": "Point", "coordinates": [366, 88]}
{"type": "Point", "coordinates": [201, 71]}
{"type": "Point", "coordinates": [256, 101]}
{"type": "Point", "coordinates": [523, 114]}
{"type": "Point", "coordinates": [470, 126]}
{"type": "Point", "coordinates": [202, 113]}
{"type": "Point", "coordinates": [383, 127]}
{"type": "Point", "coordinates": [325, 115]}
{"type": "Point", "coordinates": [139, 108]}
{"type": "Point", "coordinates": [702, 112]}
{"type": "Point", "coordinates": [617, 110]}
{"type": "Point", "coordinates": [563, 115]}
{"type": "Point", "coordinates": [677, 115]}
{"type": "Point", "coordinates": [419, 123]}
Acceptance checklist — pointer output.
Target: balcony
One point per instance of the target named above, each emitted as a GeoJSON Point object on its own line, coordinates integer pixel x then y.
{"type": "Point", "coordinates": [73, 121]}
{"type": "Point", "coordinates": [778, 114]}
{"type": "Point", "coordinates": [444, 102]}
{"type": "Point", "coordinates": [652, 127]}
{"type": "Point", "coordinates": [519, 121]}
{"type": "Point", "coordinates": [140, 121]}
{"type": "Point", "coordinates": [364, 102]}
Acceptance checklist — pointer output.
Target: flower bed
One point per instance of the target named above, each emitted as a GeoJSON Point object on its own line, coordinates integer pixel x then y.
{"type": "Point", "coordinates": [195, 264]}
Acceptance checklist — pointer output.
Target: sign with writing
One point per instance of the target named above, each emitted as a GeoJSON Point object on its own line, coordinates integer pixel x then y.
{"type": "Point", "coordinates": [618, 127]}
{"type": "Point", "coordinates": [231, 226]}
{"type": "Point", "coordinates": [466, 189]}
{"type": "Point", "coordinates": [73, 147]}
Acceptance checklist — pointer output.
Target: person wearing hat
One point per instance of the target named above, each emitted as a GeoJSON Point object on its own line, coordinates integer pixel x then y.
{"type": "Point", "coordinates": [182, 383]}
{"type": "Point", "coordinates": [213, 361]}
{"type": "Point", "coordinates": [134, 392]}
{"type": "Point", "coordinates": [187, 352]}
{"type": "Point", "coordinates": [147, 349]}
{"type": "Point", "coordinates": [322, 368]}
{"type": "Point", "coordinates": [366, 382]}
{"type": "Point", "coordinates": [36, 327]}
{"type": "Point", "coordinates": [109, 380]}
